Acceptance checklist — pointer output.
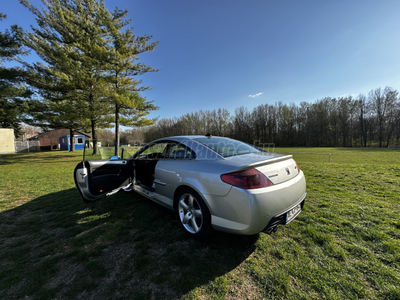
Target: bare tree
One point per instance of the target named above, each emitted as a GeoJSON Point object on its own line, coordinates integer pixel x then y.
{"type": "Point", "coordinates": [383, 105]}
{"type": "Point", "coordinates": [106, 136]}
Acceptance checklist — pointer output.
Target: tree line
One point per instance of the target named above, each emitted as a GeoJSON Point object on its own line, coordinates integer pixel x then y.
{"type": "Point", "coordinates": [362, 121]}
{"type": "Point", "coordinates": [86, 77]}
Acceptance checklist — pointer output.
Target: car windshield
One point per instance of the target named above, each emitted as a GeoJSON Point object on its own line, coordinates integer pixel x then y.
{"type": "Point", "coordinates": [227, 147]}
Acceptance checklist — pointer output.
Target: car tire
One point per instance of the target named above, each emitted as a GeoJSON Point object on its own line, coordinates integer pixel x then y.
{"type": "Point", "coordinates": [193, 214]}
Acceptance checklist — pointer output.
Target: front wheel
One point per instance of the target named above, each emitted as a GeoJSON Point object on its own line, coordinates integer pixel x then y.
{"type": "Point", "coordinates": [193, 214]}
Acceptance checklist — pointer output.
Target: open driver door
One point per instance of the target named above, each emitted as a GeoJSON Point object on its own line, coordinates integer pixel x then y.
{"type": "Point", "coordinates": [99, 178]}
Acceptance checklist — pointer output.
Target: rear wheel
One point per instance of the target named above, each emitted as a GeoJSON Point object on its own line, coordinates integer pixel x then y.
{"type": "Point", "coordinates": [193, 213]}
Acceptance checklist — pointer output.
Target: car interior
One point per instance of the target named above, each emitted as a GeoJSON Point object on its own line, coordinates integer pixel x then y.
{"type": "Point", "coordinates": [146, 161]}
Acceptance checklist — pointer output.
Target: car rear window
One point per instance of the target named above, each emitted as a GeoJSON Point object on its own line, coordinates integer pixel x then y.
{"type": "Point", "coordinates": [227, 147]}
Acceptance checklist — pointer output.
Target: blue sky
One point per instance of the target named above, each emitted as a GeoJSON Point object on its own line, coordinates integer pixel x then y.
{"type": "Point", "coordinates": [218, 53]}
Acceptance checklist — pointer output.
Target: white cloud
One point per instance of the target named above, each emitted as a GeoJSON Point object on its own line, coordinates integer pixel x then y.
{"type": "Point", "coordinates": [256, 95]}
{"type": "Point", "coordinates": [351, 95]}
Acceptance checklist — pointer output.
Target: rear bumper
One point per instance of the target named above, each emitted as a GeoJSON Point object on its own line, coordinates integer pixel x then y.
{"type": "Point", "coordinates": [252, 211]}
{"type": "Point", "coordinates": [281, 219]}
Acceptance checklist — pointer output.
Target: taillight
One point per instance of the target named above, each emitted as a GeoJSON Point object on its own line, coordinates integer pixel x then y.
{"type": "Point", "coordinates": [247, 179]}
{"type": "Point", "coordinates": [297, 167]}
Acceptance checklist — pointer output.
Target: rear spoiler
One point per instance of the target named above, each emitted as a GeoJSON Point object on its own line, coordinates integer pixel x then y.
{"type": "Point", "coordinates": [269, 161]}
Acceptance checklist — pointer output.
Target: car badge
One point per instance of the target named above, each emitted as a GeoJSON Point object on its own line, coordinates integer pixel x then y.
{"type": "Point", "coordinates": [287, 171]}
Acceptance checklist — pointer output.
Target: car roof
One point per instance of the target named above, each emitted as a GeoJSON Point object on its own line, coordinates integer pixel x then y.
{"type": "Point", "coordinates": [190, 137]}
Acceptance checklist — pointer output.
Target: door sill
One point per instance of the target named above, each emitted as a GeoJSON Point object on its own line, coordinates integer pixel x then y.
{"type": "Point", "coordinates": [145, 190]}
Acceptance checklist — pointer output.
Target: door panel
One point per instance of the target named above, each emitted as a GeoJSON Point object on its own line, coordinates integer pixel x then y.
{"type": "Point", "coordinates": [98, 179]}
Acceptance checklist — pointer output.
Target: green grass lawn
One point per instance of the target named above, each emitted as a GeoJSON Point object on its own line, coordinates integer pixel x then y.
{"type": "Point", "coordinates": [344, 245]}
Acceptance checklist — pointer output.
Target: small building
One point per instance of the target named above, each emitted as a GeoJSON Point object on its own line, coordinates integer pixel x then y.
{"type": "Point", "coordinates": [51, 140]}
{"type": "Point", "coordinates": [7, 140]}
{"type": "Point", "coordinates": [65, 142]}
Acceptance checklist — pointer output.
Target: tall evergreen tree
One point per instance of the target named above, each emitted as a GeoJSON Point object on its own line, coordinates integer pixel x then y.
{"type": "Point", "coordinates": [12, 89]}
{"type": "Point", "coordinates": [90, 56]}
{"type": "Point", "coordinates": [71, 42]}
{"type": "Point", "coordinates": [130, 107]}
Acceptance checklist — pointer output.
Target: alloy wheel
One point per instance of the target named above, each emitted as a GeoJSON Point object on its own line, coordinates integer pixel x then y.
{"type": "Point", "coordinates": [190, 213]}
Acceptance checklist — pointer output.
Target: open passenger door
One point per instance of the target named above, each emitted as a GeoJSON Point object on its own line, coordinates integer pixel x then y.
{"type": "Point", "coordinates": [99, 178]}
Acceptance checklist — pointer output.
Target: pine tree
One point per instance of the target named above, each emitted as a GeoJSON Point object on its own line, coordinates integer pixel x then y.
{"type": "Point", "coordinates": [131, 108]}
{"type": "Point", "coordinates": [89, 58]}
{"type": "Point", "coordinates": [71, 42]}
{"type": "Point", "coordinates": [12, 90]}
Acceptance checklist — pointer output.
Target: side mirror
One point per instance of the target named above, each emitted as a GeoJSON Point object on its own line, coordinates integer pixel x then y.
{"type": "Point", "coordinates": [115, 157]}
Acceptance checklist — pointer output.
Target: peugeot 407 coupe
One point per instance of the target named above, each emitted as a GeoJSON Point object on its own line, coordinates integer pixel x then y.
{"type": "Point", "coordinates": [211, 183]}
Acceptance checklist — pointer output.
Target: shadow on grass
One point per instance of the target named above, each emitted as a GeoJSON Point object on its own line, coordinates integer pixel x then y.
{"type": "Point", "coordinates": [55, 246]}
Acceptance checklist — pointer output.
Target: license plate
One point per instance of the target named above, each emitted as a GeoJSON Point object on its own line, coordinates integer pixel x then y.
{"type": "Point", "coordinates": [291, 214]}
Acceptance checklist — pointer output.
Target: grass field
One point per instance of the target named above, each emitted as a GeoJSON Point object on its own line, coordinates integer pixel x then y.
{"type": "Point", "coordinates": [344, 245]}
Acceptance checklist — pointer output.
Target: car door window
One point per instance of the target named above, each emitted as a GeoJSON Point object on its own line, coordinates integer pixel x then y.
{"type": "Point", "coordinates": [105, 150]}
{"type": "Point", "coordinates": [155, 151]}
{"type": "Point", "coordinates": [178, 151]}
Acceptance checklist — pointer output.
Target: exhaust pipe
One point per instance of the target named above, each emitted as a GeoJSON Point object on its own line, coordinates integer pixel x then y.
{"type": "Point", "coordinates": [272, 229]}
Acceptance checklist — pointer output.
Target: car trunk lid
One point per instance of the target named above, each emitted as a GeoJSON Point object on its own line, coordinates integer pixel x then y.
{"type": "Point", "coordinates": [277, 168]}
{"type": "Point", "coordinates": [280, 171]}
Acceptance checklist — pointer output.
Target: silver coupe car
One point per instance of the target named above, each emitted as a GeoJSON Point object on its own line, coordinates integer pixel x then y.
{"type": "Point", "coordinates": [210, 182]}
